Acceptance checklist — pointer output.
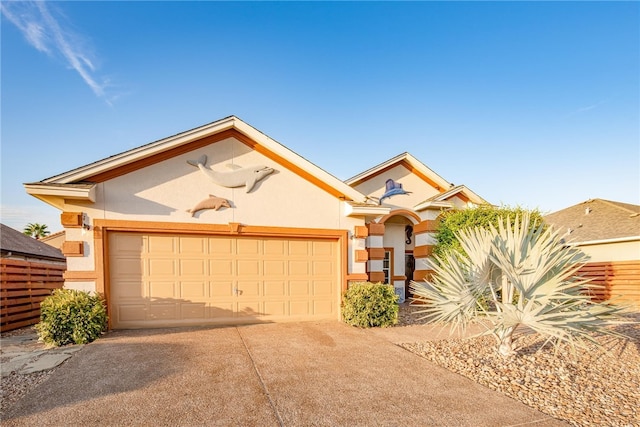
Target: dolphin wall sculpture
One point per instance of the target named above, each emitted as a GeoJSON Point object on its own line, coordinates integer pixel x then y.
{"type": "Point", "coordinates": [237, 178]}
{"type": "Point", "coordinates": [392, 188]}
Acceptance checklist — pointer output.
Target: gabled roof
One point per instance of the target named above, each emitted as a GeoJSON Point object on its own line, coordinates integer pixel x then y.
{"type": "Point", "coordinates": [441, 200]}
{"type": "Point", "coordinates": [411, 163]}
{"type": "Point", "coordinates": [596, 220]}
{"type": "Point", "coordinates": [80, 183]}
{"type": "Point", "coordinates": [18, 243]}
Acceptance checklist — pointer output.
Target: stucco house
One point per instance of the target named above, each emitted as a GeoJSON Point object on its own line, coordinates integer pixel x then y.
{"type": "Point", "coordinates": [609, 233]}
{"type": "Point", "coordinates": [222, 224]}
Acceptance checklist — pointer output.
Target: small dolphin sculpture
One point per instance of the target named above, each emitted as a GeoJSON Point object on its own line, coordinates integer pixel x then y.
{"type": "Point", "coordinates": [237, 178]}
{"type": "Point", "coordinates": [212, 202]}
{"type": "Point", "coordinates": [392, 188]}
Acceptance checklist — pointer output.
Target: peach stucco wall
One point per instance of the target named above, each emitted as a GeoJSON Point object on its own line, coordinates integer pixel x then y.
{"type": "Point", "coordinates": [420, 190]}
{"type": "Point", "coordinates": [166, 190]}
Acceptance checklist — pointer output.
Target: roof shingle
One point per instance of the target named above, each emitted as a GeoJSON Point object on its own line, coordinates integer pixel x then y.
{"type": "Point", "coordinates": [597, 219]}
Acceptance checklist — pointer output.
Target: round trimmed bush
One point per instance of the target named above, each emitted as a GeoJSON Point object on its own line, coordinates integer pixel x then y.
{"type": "Point", "coordinates": [367, 305]}
{"type": "Point", "coordinates": [69, 316]}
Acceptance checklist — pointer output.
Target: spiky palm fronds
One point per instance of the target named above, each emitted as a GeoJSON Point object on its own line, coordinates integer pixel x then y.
{"type": "Point", "coordinates": [527, 273]}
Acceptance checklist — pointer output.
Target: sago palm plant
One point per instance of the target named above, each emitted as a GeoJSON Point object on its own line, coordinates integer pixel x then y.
{"type": "Point", "coordinates": [528, 276]}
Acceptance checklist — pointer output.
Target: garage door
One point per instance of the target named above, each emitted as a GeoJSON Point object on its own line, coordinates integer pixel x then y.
{"type": "Point", "coordinates": [158, 280]}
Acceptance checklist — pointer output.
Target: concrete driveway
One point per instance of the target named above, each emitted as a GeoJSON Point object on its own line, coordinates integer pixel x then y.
{"type": "Point", "coordinates": [291, 374]}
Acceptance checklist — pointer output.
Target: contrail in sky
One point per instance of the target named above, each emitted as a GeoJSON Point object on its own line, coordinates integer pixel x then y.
{"type": "Point", "coordinates": [49, 35]}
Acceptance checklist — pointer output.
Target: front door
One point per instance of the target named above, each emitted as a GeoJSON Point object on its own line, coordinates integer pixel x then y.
{"type": "Point", "coordinates": [409, 267]}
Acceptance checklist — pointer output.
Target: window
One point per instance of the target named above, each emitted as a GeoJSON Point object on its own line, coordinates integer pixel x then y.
{"type": "Point", "coordinates": [387, 265]}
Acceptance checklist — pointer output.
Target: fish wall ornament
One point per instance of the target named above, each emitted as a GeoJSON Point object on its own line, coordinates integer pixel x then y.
{"type": "Point", "coordinates": [239, 177]}
{"type": "Point", "coordinates": [392, 188]}
{"type": "Point", "coordinates": [212, 202]}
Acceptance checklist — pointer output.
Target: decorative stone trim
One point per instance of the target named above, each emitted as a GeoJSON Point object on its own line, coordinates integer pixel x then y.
{"type": "Point", "coordinates": [422, 274]}
{"type": "Point", "coordinates": [361, 255]}
{"type": "Point", "coordinates": [426, 226]}
{"type": "Point", "coordinates": [376, 253]}
{"type": "Point", "coordinates": [375, 229]}
{"type": "Point", "coordinates": [72, 248]}
{"type": "Point", "coordinates": [360, 231]}
{"type": "Point", "coordinates": [376, 276]}
{"type": "Point", "coordinates": [423, 251]}
{"type": "Point", "coordinates": [71, 219]}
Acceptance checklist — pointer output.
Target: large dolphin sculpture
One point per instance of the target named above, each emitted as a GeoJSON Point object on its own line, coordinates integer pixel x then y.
{"type": "Point", "coordinates": [237, 178]}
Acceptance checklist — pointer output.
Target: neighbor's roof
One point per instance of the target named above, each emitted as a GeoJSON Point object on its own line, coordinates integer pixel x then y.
{"type": "Point", "coordinates": [596, 220]}
{"type": "Point", "coordinates": [18, 243]}
{"type": "Point", "coordinates": [79, 183]}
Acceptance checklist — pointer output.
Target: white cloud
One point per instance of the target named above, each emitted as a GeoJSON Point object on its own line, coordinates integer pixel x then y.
{"type": "Point", "coordinates": [44, 28]}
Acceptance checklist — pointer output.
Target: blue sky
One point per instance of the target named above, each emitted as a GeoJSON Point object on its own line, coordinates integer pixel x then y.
{"type": "Point", "coordinates": [527, 103]}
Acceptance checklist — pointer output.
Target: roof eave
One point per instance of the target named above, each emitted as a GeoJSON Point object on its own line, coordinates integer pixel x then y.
{"type": "Point", "coordinates": [150, 149]}
{"type": "Point", "coordinates": [433, 205]}
{"type": "Point", "coordinates": [352, 210]}
{"type": "Point", "coordinates": [55, 195]}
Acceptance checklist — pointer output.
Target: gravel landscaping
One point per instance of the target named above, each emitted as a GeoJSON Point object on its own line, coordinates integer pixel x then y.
{"type": "Point", "coordinates": [594, 387]}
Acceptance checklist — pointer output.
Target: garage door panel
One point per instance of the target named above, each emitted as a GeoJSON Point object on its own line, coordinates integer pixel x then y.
{"type": "Point", "coordinates": [127, 267]}
{"type": "Point", "coordinates": [299, 248]}
{"type": "Point", "coordinates": [274, 248]}
{"type": "Point", "coordinates": [221, 267]}
{"type": "Point", "coordinates": [299, 268]}
{"type": "Point", "coordinates": [162, 311]}
{"type": "Point", "coordinates": [299, 308]}
{"type": "Point", "coordinates": [128, 290]}
{"type": "Point", "coordinates": [221, 289]}
{"type": "Point", "coordinates": [323, 268]}
{"type": "Point", "coordinates": [131, 312]}
{"type": "Point", "coordinates": [192, 245]}
{"type": "Point", "coordinates": [248, 247]}
{"type": "Point", "coordinates": [249, 289]}
{"type": "Point", "coordinates": [193, 289]}
{"type": "Point", "coordinates": [127, 244]}
{"type": "Point", "coordinates": [221, 246]}
{"type": "Point", "coordinates": [299, 288]}
{"type": "Point", "coordinates": [192, 267]}
{"type": "Point", "coordinates": [274, 288]}
{"type": "Point", "coordinates": [275, 308]}
{"type": "Point", "coordinates": [158, 245]}
{"type": "Point", "coordinates": [274, 268]}
{"type": "Point", "coordinates": [322, 288]}
{"type": "Point", "coordinates": [159, 280]}
{"type": "Point", "coordinates": [161, 266]}
{"type": "Point", "coordinates": [249, 309]}
{"type": "Point", "coordinates": [193, 310]}
{"type": "Point", "coordinates": [248, 268]}
{"type": "Point", "coordinates": [322, 307]}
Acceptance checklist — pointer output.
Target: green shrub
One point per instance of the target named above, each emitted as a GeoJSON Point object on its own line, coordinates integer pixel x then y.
{"type": "Point", "coordinates": [370, 304]}
{"type": "Point", "coordinates": [69, 316]}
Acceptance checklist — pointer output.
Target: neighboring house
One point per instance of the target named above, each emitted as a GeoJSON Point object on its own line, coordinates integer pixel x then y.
{"type": "Point", "coordinates": [222, 224]}
{"type": "Point", "coordinates": [56, 239]}
{"type": "Point", "coordinates": [609, 233]}
{"type": "Point", "coordinates": [29, 271]}
{"type": "Point", "coordinates": [17, 245]}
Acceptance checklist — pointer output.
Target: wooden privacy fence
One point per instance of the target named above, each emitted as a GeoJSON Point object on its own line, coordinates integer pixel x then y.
{"type": "Point", "coordinates": [620, 280]}
{"type": "Point", "coordinates": [24, 285]}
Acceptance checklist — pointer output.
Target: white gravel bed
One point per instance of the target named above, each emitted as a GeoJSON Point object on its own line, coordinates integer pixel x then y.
{"type": "Point", "coordinates": [594, 387]}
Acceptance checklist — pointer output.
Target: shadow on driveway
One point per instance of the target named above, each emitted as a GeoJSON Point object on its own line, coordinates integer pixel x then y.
{"type": "Point", "coordinates": [288, 374]}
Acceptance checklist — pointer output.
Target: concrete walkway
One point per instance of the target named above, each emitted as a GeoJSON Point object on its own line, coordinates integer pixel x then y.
{"type": "Point", "coordinates": [292, 374]}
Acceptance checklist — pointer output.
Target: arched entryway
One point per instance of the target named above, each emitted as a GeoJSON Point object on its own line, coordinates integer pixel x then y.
{"type": "Point", "coordinates": [391, 251]}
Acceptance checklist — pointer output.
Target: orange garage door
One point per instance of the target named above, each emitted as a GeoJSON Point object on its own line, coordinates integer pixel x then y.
{"type": "Point", "coordinates": [158, 280]}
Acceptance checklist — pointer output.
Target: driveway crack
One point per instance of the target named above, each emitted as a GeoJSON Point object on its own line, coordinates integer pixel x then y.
{"type": "Point", "coordinates": [264, 386]}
